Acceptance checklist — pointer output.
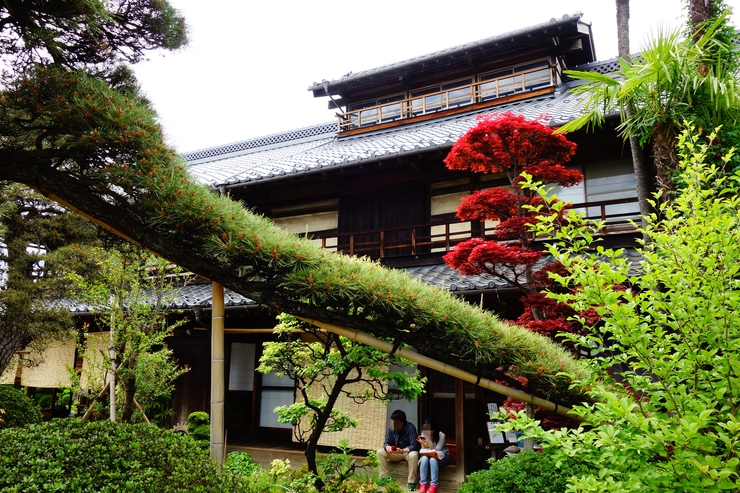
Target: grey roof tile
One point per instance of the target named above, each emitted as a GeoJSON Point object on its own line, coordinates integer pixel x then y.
{"type": "Point", "coordinates": [447, 52]}
{"type": "Point", "coordinates": [322, 150]}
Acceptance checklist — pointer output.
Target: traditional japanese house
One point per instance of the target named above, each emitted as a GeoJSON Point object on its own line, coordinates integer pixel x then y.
{"type": "Point", "coordinates": [372, 183]}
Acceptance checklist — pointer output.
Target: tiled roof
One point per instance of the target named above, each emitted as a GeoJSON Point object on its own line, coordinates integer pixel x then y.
{"type": "Point", "coordinates": [189, 296]}
{"type": "Point", "coordinates": [262, 143]}
{"type": "Point", "coordinates": [448, 52]}
{"type": "Point", "coordinates": [444, 277]}
{"type": "Point", "coordinates": [322, 151]}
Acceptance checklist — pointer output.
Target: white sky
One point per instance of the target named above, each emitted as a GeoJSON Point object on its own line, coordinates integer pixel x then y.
{"type": "Point", "coordinates": [249, 63]}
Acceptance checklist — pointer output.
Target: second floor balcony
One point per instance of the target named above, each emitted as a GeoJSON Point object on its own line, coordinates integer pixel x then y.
{"type": "Point", "coordinates": [488, 89]}
{"type": "Point", "coordinates": [439, 237]}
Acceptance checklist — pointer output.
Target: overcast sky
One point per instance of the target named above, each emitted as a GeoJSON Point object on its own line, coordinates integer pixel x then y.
{"type": "Point", "coordinates": [248, 65]}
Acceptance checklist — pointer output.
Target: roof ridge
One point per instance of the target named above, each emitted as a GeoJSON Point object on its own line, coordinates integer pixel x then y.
{"type": "Point", "coordinates": [321, 129]}
{"type": "Point", "coordinates": [566, 18]}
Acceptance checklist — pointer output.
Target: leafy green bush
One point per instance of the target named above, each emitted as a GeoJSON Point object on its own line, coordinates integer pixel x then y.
{"type": "Point", "coordinates": [72, 455]}
{"type": "Point", "coordinates": [199, 427]}
{"type": "Point", "coordinates": [526, 472]}
{"type": "Point", "coordinates": [241, 464]}
{"type": "Point", "coordinates": [669, 423]}
{"type": "Point", "coordinates": [19, 410]}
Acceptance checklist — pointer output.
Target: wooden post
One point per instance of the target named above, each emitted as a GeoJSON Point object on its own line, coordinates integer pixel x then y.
{"type": "Point", "coordinates": [460, 428]}
{"type": "Point", "coordinates": [217, 374]}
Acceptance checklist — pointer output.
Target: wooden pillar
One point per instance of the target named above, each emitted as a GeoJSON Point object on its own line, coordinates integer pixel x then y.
{"type": "Point", "coordinates": [217, 374]}
{"type": "Point", "coordinates": [460, 428]}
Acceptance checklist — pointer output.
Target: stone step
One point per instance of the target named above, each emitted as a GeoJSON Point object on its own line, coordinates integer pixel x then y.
{"type": "Point", "coordinates": [448, 482]}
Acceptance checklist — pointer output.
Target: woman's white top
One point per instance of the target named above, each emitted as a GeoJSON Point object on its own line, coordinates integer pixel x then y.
{"type": "Point", "coordinates": [440, 447]}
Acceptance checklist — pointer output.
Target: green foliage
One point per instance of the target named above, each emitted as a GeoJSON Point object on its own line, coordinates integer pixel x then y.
{"type": "Point", "coordinates": [526, 472]}
{"type": "Point", "coordinates": [196, 419]}
{"type": "Point", "coordinates": [325, 367]}
{"type": "Point", "coordinates": [664, 86]}
{"type": "Point", "coordinates": [675, 79]}
{"type": "Point", "coordinates": [41, 242]}
{"type": "Point", "coordinates": [129, 296]}
{"type": "Point", "coordinates": [337, 464]}
{"type": "Point", "coordinates": [241, 464]}
{"type": "Point", "coordinates": [393, 488]}
{"type": "Point", "coordinates": [372, 459]}
{"type": "Point", "coordinates": [75, 456]}
{"type": "Point", "coordinates": [199, 428]}
{"type": "Point", "coordinates": [18, 409]}
{"type": "Point", "coordinates": [670, 422]}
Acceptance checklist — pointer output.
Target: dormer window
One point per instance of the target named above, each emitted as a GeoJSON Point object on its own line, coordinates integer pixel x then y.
{"type": "Point", "coordinates": [452, 94]}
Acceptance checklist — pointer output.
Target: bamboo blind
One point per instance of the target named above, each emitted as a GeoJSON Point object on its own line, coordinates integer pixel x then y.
{"type": "Point", "coordinates": [94, 367]}
{"type": "Point", "coordinates": [53, 371]}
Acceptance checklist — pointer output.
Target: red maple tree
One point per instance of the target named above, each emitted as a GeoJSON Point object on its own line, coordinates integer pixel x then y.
{"type": "Point", "coordinates": [511, 144]}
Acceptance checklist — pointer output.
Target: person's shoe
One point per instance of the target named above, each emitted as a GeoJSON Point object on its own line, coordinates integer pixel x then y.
{"type": "Point", "coordinates": [422, 487]}
{"type": "Point", "coordinates": [412, 487]}
{"type": "Point", "coordinates": [432, 488]}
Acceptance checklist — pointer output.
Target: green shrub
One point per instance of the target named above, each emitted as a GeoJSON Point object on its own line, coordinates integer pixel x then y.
{"type": "Point", "coordinates": [393, 488]}
{"type": "Point", "coordinates": [526, 472]}
{"type": "Point", "coordinates": [19, 410]}
{"type": "Point", "coordinates": [74, 456]}
{"type": "Point", "coordinates": [196, 419]}
{"type": "Point", "coordinates": [241, 464]}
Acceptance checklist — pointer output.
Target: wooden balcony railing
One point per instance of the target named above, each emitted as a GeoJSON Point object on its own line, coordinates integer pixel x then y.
{"type": "Point", "coordinates": [494, 88]}
{"type": "Point", "coordinates": [442, 236]}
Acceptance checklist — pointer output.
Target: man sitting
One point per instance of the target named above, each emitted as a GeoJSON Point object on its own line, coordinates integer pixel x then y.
{"type": "Point", "coordinates": [400, 444]}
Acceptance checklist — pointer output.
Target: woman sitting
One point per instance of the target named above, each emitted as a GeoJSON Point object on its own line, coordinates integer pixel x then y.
{"type": "Point", "coordinates": [434, 454]}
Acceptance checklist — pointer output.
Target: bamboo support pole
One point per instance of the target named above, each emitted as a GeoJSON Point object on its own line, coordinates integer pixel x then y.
{"type": "Point", "coordinates": [367, 339]}
{"type": "Point", "coordinates": [143, 414]}
{"type": "Point", "coordinates": [97, 397]}
{"type": "Point", "coordinates": [217, 374]}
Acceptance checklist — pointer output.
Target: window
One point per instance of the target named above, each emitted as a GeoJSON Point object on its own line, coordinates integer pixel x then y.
{"type": "Point", "coordinates": [441, 97]}
{"type": "Point", "coordinates": [519, 78]}
{"type": "Point", "coordinates": [276, 391]}
{"type": "Point", "coordinates": [381, 110]}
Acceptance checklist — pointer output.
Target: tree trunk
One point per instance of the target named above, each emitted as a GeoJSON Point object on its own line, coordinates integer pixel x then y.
{"type": "Point", "coordinates": [321, 420]}
{"type": "Point", "coordinates": [700, 11]}
{"type": "Point", "coordinates": [129, 221]}
{"type": "Point", "coordinates": [643, 180]}
{"type": "Point", "coordinates": [665, 157]}
{"type": "Point", "coordinates": [10, 342]}
{"type": "Point", "coordinates": [129, 391]}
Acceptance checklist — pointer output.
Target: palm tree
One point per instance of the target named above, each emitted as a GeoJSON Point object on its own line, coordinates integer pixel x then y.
{"type": "Point", "coordinates": [643, 179]}
{"type": "Point", "coordinates": [665, 87]}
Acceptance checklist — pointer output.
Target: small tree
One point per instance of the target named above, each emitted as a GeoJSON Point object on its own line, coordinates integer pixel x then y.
{"type": "Point", "coordinates": [511, 144]}
{"type": "Point", "coordinates": [39, 242]}
{"type": "Point", "coordinates": [676, 78]}
{"type": "Point", "coordinates": [129, 298]}
{"type": "Point", "coordinates": [669, 422]}
{"type": "Point", "coordinates": [325, 367]}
